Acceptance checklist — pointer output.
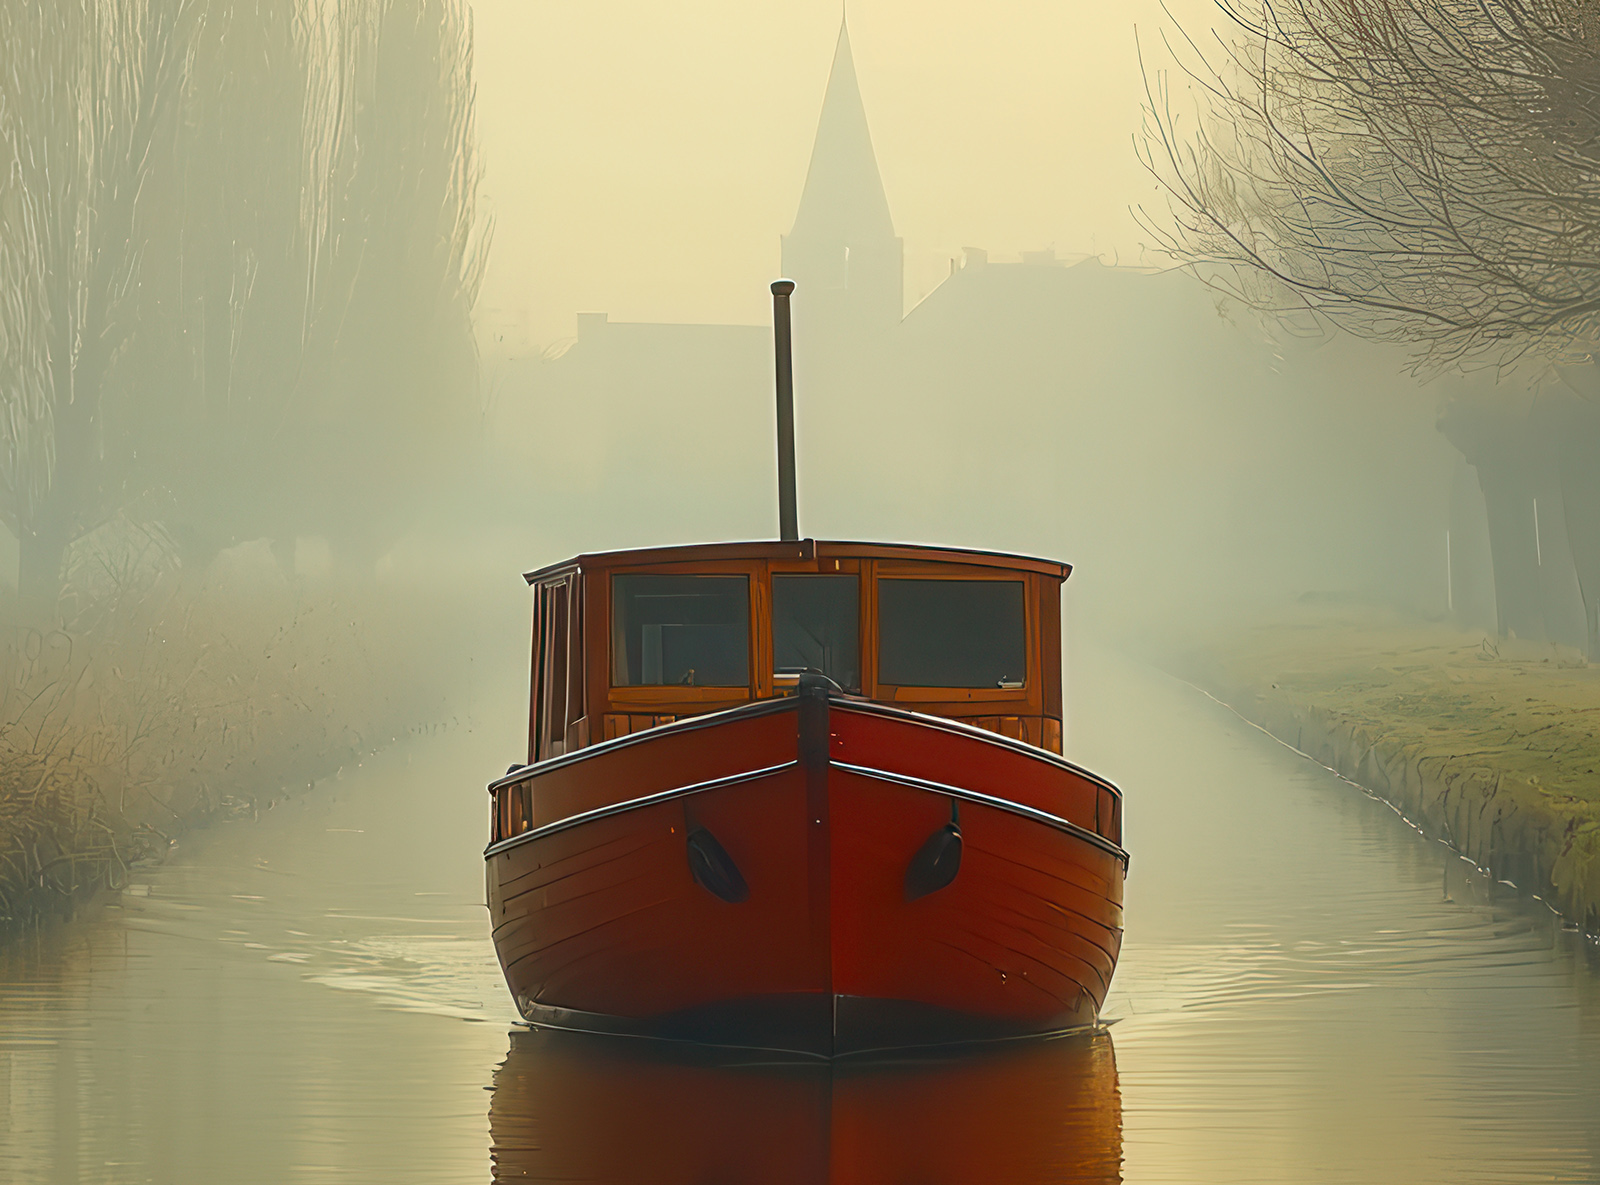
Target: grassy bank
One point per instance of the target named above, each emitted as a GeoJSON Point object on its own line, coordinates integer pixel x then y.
{"type": "Point", "coordinates": [1491, 745]}
{"type": "Point", "coordinates": [154, 699]}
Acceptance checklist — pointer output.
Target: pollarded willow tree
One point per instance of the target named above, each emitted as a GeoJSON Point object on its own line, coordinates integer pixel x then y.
{"type": "Point", "coordinates": [1421, 171]}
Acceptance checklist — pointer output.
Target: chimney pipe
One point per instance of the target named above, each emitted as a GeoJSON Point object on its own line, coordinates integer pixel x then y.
{"type": "Point", "coordinates": [788, 511]}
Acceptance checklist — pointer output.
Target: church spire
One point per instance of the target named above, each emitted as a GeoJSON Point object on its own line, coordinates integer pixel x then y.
{"type": "Point", "coordinates": [843, 198]}
{"type": "Point", "coordinates": [843, 242]}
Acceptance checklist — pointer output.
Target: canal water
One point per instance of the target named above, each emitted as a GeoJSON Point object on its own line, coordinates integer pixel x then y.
{"type": "Point", "coordinates": [1310, 991]}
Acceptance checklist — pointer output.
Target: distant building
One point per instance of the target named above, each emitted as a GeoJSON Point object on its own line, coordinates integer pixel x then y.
{"type": "Point", "coordinates": [848, 265]}
{"type": "Point", "coordinates": [1105, 413]}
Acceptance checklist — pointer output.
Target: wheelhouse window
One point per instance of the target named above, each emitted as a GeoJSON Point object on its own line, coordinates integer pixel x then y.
{"type": "Point", "coordinates": [816, 626]}
{"type": "Point", "coordinates": [688, 631]}
{"type": "Point", "coordinates": [951, 633]}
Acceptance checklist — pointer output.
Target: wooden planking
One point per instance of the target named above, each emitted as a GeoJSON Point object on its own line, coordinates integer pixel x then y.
{"type": "Point", "coordinates": [906, 747]}
{"type": "Point", "coordinates": [667, 760]}
{"type": "Point", "coordinates": [998, 911]}
{"type": "Point", "coordinates": [1030, 729]}
{"type": "Point", "coordinates": [1052, 925]}
{"type": "Point", "coordinates": [1062, 965]}
{"type": "Point", "coordinates": [994, 915]}
{"type": "Point", "coordinates": [1030, 928]}
{"type": "Point", "coordinates": [1048, 894]}
{"type": "Point", "coordinates": [607, 917]}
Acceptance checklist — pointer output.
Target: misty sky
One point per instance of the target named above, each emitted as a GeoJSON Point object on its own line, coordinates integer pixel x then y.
{"type": "Point", "coordinates": [642, 158]}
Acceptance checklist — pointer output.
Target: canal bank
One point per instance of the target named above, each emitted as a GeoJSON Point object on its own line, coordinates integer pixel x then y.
{"type": "Point", "coordinates": [136, 716]}
{"type": "Point", "coordinates": [1491, 745]}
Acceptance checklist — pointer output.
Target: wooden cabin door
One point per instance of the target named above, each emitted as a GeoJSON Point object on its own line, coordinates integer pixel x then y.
{"type": "Point", "coordinates": [559, 723]}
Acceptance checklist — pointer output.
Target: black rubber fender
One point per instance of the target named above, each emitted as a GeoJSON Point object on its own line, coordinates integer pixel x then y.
{"type": "Point", "coordinates": [713, 869]}
{"type": "Point", "coordinates": [938, 859]}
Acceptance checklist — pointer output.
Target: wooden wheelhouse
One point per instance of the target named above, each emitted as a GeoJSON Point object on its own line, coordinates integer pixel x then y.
{"type": "Point", "coordinates": [587, 686]}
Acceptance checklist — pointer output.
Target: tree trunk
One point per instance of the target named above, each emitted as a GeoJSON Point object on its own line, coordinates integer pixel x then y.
{"type": "Point", "coordinates": [1496, 442]}
{"type": "Point", "coordinates": [1570, 423]}
{"type": "Point", "coordinates": [1519, 600]}
{"type": "Point", "coordinates": [1564, 612]}
{"type": "Point", "coordinates": [1471, 564]}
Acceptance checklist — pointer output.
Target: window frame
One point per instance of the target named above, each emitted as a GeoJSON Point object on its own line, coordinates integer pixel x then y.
{"type": "Point", "coordinates": [838, 566]}
{"type": "Point", "coordinates": [1027, 694]}
{"type": "Point", "coordinates": [672, 696]}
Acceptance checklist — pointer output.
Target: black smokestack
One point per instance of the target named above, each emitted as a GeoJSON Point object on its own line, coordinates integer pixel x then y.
{"type": "Point", "coordinates": [788, 512]}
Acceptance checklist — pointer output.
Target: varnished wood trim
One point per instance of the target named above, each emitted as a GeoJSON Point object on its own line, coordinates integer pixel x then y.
{"type": "Point", "coordinates": [1050, 673]}
{"type": "Point", "coordinates": [913, 551]}
{"type": "Point", "coordinates": [672, 694]}
{"type": "Point", "coordinates": [553, 571]}
{"type": "Point", "coordinates": [869, 628]}
{"type": "Point", "coordinates": [989, 800]}
{"type": "Point", "coordinates": [955, 695]}
{"type": "Point", "coordinates": [804, 550]}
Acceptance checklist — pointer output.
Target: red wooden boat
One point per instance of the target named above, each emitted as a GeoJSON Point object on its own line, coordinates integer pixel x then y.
{"type": "Point", "coordinates": [803, 795]}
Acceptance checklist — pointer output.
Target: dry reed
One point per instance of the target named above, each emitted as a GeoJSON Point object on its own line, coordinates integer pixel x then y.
{"type": "Point", "coordinates": [157, 698]}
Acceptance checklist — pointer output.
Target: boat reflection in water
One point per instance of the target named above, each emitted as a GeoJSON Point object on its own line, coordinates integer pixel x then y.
{"type": "Point", "coordinates": [570, 1107]}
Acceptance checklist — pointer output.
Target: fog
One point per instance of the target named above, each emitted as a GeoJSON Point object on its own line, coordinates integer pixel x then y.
{"type": "Point", "coordinates": [1054, 386]}
{"type": "Point", "coordinates": [644, 159]}
{"type": "Point", "coordinates": [1026, 371]}
{"type": "Point", "coordinates": [491, 288]}
{"type": "Point", "coordinates": [322, 321]}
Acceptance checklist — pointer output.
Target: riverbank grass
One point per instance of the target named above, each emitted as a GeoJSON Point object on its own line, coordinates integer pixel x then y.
{"type": "Point", "coordinates": [1491, 744]}
{"type": "Point", "coordinates": [156, 698]}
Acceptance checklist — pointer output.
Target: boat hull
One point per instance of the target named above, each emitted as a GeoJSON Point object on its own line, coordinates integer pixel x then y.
{"type": "Point", "coordinates": [747, 879]}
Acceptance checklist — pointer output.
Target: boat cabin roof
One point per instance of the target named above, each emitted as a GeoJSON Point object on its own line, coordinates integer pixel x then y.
{"type": "Point", "coordinates": [804, 551]}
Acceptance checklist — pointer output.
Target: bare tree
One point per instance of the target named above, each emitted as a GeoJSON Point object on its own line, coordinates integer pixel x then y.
{"type": "Point", "coordinates": [87, 92]}
{"type": "Point", "coordinates": [323, 256]}
{"type": "Point", "coordinates": [1422, 171]}
{"type": "Point", "coordinates": [224, 291]}
{"type": "Point", "coordinates": [241, 247]}
{"type": "Point", "coordinates": [390, 390]}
